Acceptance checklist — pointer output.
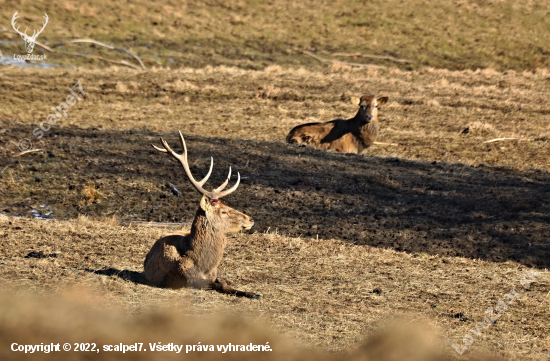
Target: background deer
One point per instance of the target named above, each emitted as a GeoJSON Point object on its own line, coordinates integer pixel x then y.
{"type": "Point", "coordinates": [29, 40]}
{"type": "Point", "coordinates": [192, 260]}
{"type": "Point", "coordinates": [344, 136]}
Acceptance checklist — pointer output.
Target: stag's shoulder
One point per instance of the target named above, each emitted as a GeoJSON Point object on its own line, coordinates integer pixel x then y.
{"type": "Point", "coordinates": [181, 241]}
{"type": "Point", "coordinates": [174, 243]}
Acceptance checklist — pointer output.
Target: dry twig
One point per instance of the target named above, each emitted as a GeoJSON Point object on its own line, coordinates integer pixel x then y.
{"type": "Point", "coordinates": [51, 50]}
{"type": "Point", "coordinates": [499, 139]}
{"type": "Point", "coordinates": [105, 46]}
{"type": "Point", "coordinates": [155, 224]}
{"type": "Point", "coordinates": [121, 62]}
{"type": "Point", "coordinates": [337, 61]}
{"type": "Point", "coordinates": [383, 143]}
{"type": "Point", "coordinates": [175, 191]}
{"type": "Point", "coordinates": [27, 152]}
{"type": "Point", "coordinates": [372, 56]}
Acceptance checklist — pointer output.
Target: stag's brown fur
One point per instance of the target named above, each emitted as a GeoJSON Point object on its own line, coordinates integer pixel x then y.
{"type": "Point", "coordinates": [344, 136]}
{"type": "Point", "coordinates": [192, 260]}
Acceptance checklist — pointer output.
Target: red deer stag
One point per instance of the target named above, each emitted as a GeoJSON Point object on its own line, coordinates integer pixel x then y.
{"type": "Point", "coordinates": [344, 136]}
{"type": "Point", "coordinates": [192, 260]}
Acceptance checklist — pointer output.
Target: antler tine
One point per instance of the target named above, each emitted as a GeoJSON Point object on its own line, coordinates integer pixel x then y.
{"type": "Point", "coordinates": [230, 190]}
{"type": "Point", "coordinates": [15, 17]}
{"type": "Point", "coordinates": [183, 160]}
{"type": "Point", "coordinates": [166, 148]}
{"type": "Point", "coordinates": [184, 146]}
{"type": "Point", "coordinates": [159, 149]}
{"type": "Point", "coordinates": [224, 184]}
{"type": "Point", "coordinates": [185, 164]}
{"type": "Point", "coordinates": [201, 183]}
{"type": "Point", "coordinates": [169, 150]}
{"type": "Point", "coordinates": [216, 193]}
{"type": "Point", "coordinates": [209, 172]}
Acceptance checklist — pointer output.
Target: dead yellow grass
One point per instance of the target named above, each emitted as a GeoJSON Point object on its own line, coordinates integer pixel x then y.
{"type": "Point", "coordinates": [465, 34]}
{"type": "Point", "coordinates": [325, 294]}
{"type": "Point", "coordinates": [58, 321]}
{"type": "Point", "coordinates": [91, 194]}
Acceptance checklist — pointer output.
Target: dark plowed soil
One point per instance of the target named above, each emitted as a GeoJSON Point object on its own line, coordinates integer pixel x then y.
{"type": "Point", "coordinates": [495, 214]}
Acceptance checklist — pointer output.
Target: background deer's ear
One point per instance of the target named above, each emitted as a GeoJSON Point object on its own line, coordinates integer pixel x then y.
{"type": "Point", "coordinates": [205, 203]}
{"type": "Point", "coordinates": [382, 100]}
{"type": "Point", "coordinates": [355, 100]}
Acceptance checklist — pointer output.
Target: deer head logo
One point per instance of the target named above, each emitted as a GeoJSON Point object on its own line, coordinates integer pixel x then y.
{"type": "Point", "coordinates": [29, 40]}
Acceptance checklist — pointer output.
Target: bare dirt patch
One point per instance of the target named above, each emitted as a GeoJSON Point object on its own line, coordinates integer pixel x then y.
{"type": "Point", "coordinates": [489, 213]}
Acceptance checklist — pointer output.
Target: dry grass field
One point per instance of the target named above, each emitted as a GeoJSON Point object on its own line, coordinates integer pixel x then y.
{"type": "Point", "coordinates": [451, 34]}
{"type": "Point", "coordinates": [326, 294]}
{"type": "Point", "coordinates": [431, 228]}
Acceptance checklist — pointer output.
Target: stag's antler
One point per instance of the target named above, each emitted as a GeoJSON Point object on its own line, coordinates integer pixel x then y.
{"type": "Point", "coordinates": [216, 193]}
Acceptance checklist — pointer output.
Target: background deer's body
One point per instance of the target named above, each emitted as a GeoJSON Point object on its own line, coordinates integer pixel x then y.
{"type": "Point", "coordinates": [192, 260]}
{"type": "Point", "coordinates": [344, 136]}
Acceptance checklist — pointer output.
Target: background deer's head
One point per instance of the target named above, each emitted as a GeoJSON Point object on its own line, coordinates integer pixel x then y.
{"type": "Point", "coordinates": [368, 106]}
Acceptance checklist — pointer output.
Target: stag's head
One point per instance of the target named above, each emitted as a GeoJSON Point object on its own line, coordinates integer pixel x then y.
{"type": "Point", "coordinates": [368, 106]}
{"type": "Point", "coordinates": [224, 218]}
{"type": "Point", "coordinates": [220, 217]}
{"type": "Point", "coordinates": [29, 40]}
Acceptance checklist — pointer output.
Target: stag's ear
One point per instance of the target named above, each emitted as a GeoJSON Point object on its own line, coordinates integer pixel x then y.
{"type": "Point", "coordinates": [355, 100]}
{"type": "Point", "coordinates": [382, 100]}
{"type": "Point", "coordinates": [205, 203]}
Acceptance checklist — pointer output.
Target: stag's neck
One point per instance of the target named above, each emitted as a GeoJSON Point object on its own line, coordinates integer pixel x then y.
{"type": "Point", "coordinates": [207, 243]}
{"type": "Point", "coordinates": [204, 231]}
{"type": "Point", "coordinates": [207, 240]}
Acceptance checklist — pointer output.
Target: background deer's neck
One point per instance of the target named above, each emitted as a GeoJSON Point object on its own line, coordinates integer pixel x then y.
{"type": "Point", "coordinates": [359, 118]}
{"type": "Point", "coordinates": [365, 133]}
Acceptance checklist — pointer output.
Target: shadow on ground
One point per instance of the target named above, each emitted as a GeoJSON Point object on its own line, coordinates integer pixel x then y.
{"type": "Point", "coordinates": [126, 275]}
{"type": "Point", "coordinates": [494, 214]}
